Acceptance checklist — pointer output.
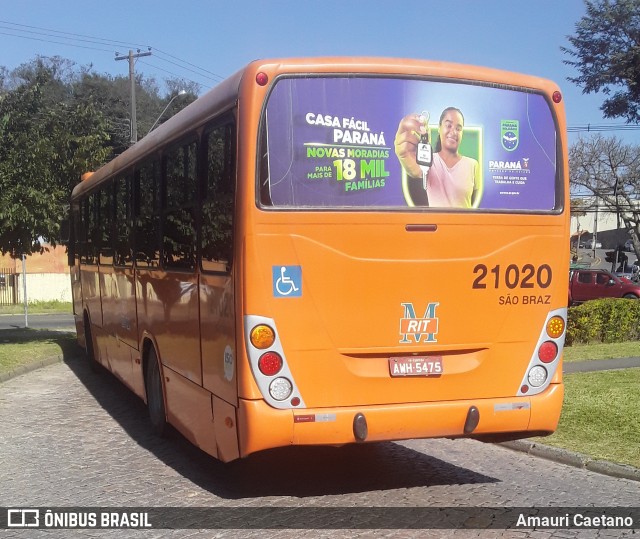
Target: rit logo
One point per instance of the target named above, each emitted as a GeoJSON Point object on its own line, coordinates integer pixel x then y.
{"type": "Point", "coordinates": [414, 329]}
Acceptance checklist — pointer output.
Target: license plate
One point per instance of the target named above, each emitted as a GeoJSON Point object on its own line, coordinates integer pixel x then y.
{"type": "Point", "coordinates": [416, 366]}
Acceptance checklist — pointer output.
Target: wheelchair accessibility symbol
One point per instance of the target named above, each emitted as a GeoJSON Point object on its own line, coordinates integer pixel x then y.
{"type": "Point", "coordinates": [287, 281]}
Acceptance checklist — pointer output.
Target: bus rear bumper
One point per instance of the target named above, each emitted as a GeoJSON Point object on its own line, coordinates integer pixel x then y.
{"type": "Point", "coordinates": [263, 427]}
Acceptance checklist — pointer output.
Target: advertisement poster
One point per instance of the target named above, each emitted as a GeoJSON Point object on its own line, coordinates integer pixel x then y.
{"type": "Point", "coordinates": [366, 142]}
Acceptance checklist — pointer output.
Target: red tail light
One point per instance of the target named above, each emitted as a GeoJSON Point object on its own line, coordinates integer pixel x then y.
{"type": "Point", "coordinates": [548, 351]}
{"type": "Point", "coordinates": [270, 363]}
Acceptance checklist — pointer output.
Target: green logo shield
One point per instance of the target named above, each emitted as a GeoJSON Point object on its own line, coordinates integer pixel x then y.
{"type": "Point", "coordinates": [510, 134]}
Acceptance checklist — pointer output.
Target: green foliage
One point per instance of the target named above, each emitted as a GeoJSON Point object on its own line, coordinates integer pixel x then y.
{"type": "Point", "coordinates": [607, 55]}
{"type": "Point", "coordinates": [47, 140]}
{"type": "Point", "coordinates": [604, 320]}
{"type": "Point", "coordinates": [57, 122]}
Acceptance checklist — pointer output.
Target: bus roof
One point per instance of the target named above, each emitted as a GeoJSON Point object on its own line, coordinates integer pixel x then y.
{"type": "Point", "coordinates": [225, 94]}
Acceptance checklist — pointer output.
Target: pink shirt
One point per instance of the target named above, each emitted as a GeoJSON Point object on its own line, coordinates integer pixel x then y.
{"type": "Point", "coordinates": [452, 187]}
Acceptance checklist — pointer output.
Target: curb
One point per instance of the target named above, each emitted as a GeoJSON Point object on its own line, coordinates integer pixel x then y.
{"type": "Point", "coordinates": [24, 369]}
{"type": "Point", "coordinates": [577, 460]}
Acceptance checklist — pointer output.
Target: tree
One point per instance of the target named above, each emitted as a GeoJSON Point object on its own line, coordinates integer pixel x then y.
{"type": "Point", "coordinates": [58, 121]}
{"type": "Point", "coordinates": [606, 48]}
{"type": "Point", "coordinates": [46, 141]}
{"type": "Point", "coordinates": [609, 170]}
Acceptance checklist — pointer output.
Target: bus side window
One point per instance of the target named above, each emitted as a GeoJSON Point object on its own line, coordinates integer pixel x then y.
{"type": "Point", "coordinates": [123, 221]}
{"type": "Point", "coordinates": [92, 210]}
{"type": "Point", "coordinates": [147, 212]}
{"type": "Point", "coordinates": [178, 223]}
{"type": "Point", "coordinates": [80, 230]}
{"type": "Point", "coordinates": [106, 225]}
{"type": "Point", "coordinates": [217, 202]}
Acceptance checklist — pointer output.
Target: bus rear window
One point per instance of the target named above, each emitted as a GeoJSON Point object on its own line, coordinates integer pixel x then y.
{"type": "Point", "coordinates": [364, 143]}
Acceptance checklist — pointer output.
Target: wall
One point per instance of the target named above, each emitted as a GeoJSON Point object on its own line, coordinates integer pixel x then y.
{"type": "Point", "coordinates": [45, 287]}
{"type": "Point", "coordinates": [47, 275]}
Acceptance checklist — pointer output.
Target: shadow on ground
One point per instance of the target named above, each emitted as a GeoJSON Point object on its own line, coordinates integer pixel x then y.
{"type": "Point", "coordinates": [300, 471]}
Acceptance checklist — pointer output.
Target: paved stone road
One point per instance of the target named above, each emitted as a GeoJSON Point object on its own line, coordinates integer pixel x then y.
{"type": "Point", "coordinates": [73, 438]}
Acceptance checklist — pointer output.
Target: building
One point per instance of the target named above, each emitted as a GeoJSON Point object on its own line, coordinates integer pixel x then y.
{"type": "Point", "coordinates": [47, 277]}
{"type": "Point", "coordinates": [604, 225]}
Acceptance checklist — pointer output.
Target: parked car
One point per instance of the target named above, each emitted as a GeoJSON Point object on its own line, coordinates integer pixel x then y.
{"type": "Point", "coordinates": [586, 244]}
{"type": "Point", "coordinates": [586, 284]}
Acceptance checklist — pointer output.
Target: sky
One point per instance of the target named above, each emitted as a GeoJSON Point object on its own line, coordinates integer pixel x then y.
{"type": "Point", "coordinates": [207, 40]}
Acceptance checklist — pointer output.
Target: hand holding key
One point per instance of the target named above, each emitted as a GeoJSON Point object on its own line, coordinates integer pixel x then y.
{"type": "Point", "coordinates": [412, 145]}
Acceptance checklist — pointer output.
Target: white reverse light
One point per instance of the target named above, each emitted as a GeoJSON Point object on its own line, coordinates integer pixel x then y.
{"type": "Point", "coordinates": [537, 376]}
{"type": "Point", "coordinates": [280, 389]}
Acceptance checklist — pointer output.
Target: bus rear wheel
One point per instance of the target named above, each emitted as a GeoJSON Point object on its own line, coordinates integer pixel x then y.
{"type": "Point", "coordinates": [155, 396]}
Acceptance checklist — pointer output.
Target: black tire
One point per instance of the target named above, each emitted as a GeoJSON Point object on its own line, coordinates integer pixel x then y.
{"type": "Point", "coordinates": [88, 343]}
{"type": "Point", "coordinates": [155, 396]}
{"type": "Point", "coordinates": [630, 296]}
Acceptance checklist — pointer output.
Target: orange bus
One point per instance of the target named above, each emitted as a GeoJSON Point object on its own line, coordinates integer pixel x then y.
{"type": "Point", "coordinates": [332, 251]}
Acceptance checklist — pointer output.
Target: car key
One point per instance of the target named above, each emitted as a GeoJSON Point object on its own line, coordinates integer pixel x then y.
{"type": "Point", "coordinates": [424, 153]}
{"type": "Point", "coordinates": [424, 157]}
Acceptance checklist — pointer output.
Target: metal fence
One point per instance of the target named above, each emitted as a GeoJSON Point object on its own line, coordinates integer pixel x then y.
{"type": "Point", "coordinates": [8, 286]}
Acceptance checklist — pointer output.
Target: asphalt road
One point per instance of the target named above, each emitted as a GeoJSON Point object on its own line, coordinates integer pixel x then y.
{"type": "Point", "coordinates": [53, 321]}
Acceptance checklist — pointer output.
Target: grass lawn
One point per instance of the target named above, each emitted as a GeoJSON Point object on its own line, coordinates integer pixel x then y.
{"type": "Point", "coordinates": [38, 307]}
{"type": "Point", "coordinates": [23, 346]}
{"type": "Point", "coordinates": [598, 416]}
{"type": "Point", "coordinates": [581, 352]}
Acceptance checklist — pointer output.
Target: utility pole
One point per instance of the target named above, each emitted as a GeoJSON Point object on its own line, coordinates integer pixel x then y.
{"type": "Point", "coordinates": [595, 227]}
{"type": "Point", "coordinates": [132, 79]}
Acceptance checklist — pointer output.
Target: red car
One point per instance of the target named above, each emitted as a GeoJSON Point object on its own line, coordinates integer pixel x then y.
{"type": "Point", "coordinates": [586, 284]}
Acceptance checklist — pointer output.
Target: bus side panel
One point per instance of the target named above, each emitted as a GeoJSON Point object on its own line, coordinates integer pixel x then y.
{"type": "Point", "coordinates": [225, 423]}
{"type": "Point", "coordinates": [89, 279]}
{"type": "Point", "coordinates": [148, 308]}
{"type": "Point", "coordinates": [217, 330]}
{"type": "Point", "coordinates": [76, 295]}
{"type": "Point", "coordinates": [178, 331]}
{"type": "Point", "coordinates": [123, 312]}
{"type": "Point", "coordinates": [114, 356]}
{"type": "Point", "coordinates": [189, 410]}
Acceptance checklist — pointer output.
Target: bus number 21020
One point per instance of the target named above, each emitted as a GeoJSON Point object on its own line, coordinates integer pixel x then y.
{"type": "Point", "coordinates": [513, 276]}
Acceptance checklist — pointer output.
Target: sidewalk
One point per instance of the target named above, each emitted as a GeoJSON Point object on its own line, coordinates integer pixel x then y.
{"type": "Point", "coordinates": [601, 364]}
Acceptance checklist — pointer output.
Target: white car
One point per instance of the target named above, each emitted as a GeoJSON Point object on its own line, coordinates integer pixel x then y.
{"type": "Point", "coordinates": [590, 244]}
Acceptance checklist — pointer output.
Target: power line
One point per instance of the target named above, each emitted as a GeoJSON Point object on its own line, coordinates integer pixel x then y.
{"type": "Point", "coordinates": [56, 42]}
{"type": "Point", "coordinates": [80, 37]}
{"type": "Point", "coordinates": [219, 77]}
{"type": "Point", "coordinates": [29, 32]}
{"type": "Point", "coordinates": [173, 74]}
{"type": "Point", "coordinates": [602, 127]}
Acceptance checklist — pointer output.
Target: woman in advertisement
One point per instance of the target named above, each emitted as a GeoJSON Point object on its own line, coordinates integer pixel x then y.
{"type": "Point", "coordinates": [447, 179]}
